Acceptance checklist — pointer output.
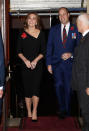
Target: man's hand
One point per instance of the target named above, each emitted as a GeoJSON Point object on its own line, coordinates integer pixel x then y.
{"type": "Point", "coordinates": [66, 56]}
{"type": "Point", "coordinates": [50, 69]}
{"type": "Point", "coordinates": [1, 93]}
{"type": "Point", "coordinates": [87, 91]}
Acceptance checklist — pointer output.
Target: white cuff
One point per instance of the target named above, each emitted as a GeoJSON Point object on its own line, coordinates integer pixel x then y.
{"type": "Point", "coordinates": [1, 87]}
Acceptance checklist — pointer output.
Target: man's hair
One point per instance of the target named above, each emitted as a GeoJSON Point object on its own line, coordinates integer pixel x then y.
{"type": "Point", "coordinates": [64, 8]}
{"type": "Point", "coordinates": [84, 17]}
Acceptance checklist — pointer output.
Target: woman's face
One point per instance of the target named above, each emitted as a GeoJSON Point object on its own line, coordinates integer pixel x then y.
{"type": "Point", "coordinates": [32, 20]}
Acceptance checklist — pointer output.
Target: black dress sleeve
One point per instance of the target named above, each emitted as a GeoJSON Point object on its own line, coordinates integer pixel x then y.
{"type": "Point", "coordinates": [43, 44]}
{"type": "Point", "coordinates": [19, 44]}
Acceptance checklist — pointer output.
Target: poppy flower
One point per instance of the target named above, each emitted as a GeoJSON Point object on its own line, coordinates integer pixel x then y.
{"type": "Point", "coordinates": [23, 35]}
{"type": "Point", "coordinates": [72, 28]}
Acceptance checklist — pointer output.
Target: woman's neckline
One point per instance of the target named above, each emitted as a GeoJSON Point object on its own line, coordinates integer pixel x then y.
{"type": "Point", "coordinates": [33, 35]}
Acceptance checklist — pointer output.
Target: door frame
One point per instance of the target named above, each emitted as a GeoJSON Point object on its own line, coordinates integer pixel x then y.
{"type": "Point", "coordinates": [5, 36]}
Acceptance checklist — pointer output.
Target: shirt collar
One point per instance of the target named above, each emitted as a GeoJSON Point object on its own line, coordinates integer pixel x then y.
{"type": "Point", "coordinates": [67, 25]}
{"type": "Point", "coordinates": [85, 32]}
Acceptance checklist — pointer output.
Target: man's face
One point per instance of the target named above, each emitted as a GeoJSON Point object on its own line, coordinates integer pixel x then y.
{"type": "Point", "coordinates": [63, 16]}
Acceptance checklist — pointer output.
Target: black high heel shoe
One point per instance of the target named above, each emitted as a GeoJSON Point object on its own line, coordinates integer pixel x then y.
{"type": "Point", "coordinates": [34, 120]}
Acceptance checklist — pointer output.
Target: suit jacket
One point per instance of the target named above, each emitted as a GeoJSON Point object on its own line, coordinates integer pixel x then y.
{"type": "Point", "coordinates": [80, 70]}
{"type": "Point", "coordinates": [2, 68]}
{"type": "Point", "coordinates": [55, 46]}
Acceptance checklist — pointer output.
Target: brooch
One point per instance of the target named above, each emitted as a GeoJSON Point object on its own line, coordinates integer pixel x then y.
{"type": "Point", "coordinates": [23, 35]}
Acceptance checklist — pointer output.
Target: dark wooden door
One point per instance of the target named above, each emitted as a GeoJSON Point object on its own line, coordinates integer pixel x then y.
{"type": "Point", "coordinates": [4, 24]}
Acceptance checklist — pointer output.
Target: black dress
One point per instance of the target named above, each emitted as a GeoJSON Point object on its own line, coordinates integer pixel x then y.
{"type": "Point", "coordinates": [31, 47]}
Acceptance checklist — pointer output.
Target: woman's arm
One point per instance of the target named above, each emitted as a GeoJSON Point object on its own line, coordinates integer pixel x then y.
{"type": "Point", "coordinates": [39, 57]}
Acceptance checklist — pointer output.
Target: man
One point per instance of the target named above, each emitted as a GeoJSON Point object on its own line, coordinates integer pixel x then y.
{"type": "Point", "coordinates": [62, 40]}
{"type": "Point", "coordinates": [2, 72]}
{"type": "Point", "coordinates": [80, 71]}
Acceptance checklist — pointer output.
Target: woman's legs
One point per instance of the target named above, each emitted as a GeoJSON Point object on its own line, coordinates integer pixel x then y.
{"type": "Point", "coordinates": [28, 105]}
{"type": "Point", "coordinates": [29, 101]}
{"type": "Point", "coordinates": [35, 101]}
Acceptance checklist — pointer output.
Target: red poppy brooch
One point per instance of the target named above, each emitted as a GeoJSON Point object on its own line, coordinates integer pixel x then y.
{"type": "Point", "coordinates": [72, 28]}
{"type": "Point", "coordinates": [23, 35]}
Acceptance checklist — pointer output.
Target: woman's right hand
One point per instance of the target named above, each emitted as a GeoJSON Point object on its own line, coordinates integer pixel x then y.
{"type": "Point", "coordinates": [27, 63]}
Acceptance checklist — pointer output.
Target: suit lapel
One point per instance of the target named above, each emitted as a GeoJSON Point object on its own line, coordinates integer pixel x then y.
{"type": "Point", "coordinates": [83, 38]}
{"type": "Point", "coordinates": [70, 31]}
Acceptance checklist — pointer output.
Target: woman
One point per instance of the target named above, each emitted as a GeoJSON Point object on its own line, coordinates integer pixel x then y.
{"type": "Point", "coordinates": [31, 50]}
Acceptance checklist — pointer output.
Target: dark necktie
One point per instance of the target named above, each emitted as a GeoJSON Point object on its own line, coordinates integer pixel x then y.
{"type": "Point", "coordinates": [64, 36]}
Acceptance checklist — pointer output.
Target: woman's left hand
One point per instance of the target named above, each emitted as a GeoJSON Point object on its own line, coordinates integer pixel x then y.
{"type": "Point", "coordinates": [33, 64]}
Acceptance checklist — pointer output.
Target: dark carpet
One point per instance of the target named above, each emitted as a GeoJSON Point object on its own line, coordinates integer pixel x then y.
{"type": "Point", "coordinates": [47, 123]}
{"type": "Point", "coordinates": [51, 123]}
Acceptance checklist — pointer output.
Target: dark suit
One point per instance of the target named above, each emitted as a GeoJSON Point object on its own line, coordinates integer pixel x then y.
{"type": "Point", "coordinates": [61, 69]}
{"type": "Point", "coordinates": [2, 69]}
{"type": "Point", "coordinates": [80, 75]}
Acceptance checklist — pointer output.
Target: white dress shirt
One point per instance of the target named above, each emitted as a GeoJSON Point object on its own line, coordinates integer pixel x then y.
{"type": "Point", "coordinates": [67, 30]}
{"type": "Point", "coordinates": [84, 33]}
{"type": "Point", "coordinates": [66, 27]}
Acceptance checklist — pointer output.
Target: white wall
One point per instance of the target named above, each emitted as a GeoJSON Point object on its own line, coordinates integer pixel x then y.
{"type": "Point", "coordinates": [44, 4]}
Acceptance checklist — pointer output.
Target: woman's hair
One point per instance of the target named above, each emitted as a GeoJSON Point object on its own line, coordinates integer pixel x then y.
{"type": "Point", "coordinates": [38, 25]}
